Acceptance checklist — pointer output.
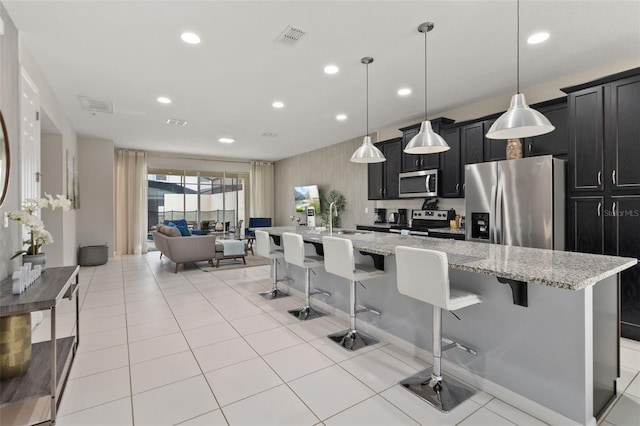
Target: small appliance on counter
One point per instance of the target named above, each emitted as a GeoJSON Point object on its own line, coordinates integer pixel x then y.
{"type": "Point", "coordinates": [393, 218]}
{"type": "Point", "coordinates": [403, 218]}
{"type": "Point", "coordinates": [311, 217]}
{"type": "Point", "coordinates": [381, 215]}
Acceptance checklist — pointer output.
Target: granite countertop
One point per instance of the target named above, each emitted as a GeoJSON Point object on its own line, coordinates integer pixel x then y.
{"type": "Point", "coordinates": [560, 269]}
{"type": "Point", "coordinates": [457, 231]}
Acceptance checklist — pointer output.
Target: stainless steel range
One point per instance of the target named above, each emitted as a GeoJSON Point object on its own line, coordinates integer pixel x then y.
{"type": "Point", "coordinates": [423, 220]}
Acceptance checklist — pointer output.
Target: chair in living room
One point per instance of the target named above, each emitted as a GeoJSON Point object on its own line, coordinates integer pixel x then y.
{"type": "Point", "coordinates": [256, 222]}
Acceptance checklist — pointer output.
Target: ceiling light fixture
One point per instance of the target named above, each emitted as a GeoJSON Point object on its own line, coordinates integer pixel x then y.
{"type": "Point", "coordinates": [367, 153]}
{"type": "Point", "coordinates": [331, 69]}
{"type": "Point", "coordinates": [538, 38]}
{"type": "Point", "coordinates": [164, 100]}
{"type": "Point", "coordinates": [190, 38]}
{"type": "Point", "coordinates": [520, 121]}
{"type": "Point", "coordinates": [226, 140]}
{"type": "Point", "coordinates": [277, 104]}
{"type": "Point", "coordinates": [405, 91]}
{"type": "Point", "coordinates": [341, 117]}
{"type": "Point", "coordinates": [426, 141]}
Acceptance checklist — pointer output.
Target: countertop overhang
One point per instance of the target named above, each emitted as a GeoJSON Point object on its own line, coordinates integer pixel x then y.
{"type": "Point", "coordinates": [559, 269]}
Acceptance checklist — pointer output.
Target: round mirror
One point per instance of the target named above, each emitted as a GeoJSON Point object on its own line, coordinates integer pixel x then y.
{"type": "Point", "coordinates": [5, 160]}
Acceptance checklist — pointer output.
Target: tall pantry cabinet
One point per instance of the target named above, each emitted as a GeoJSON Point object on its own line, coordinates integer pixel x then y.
{"type": "Point", "coordinates": [604, 179]}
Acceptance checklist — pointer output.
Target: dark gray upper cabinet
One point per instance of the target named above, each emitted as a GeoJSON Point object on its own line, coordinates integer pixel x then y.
{"type": "Point", "coordinates": [494, 149]}
{"type": "Point", "coordinates": [450, 167]}
{"type": "Point", "coordinates": [604, 124]}
{"type": "Point", "coordinates": [383, 181]}
{"type": "Point", "coordinates": [553, 143]}
{"type": "Point", "coordinates": [415, 162]}
{"type": "Point", "coordinates": [622, 135]}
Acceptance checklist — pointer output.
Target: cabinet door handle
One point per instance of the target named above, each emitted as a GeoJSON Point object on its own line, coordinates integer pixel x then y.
{"type": "Point", "coordinates": [422, 162]}
{"type": "Point", "coordinates": [464, 185]}
{"type": "Point", "coordinates": [457, 187]}
{"type": "Point", "coordinates": [613, 209]}
{"type": "Point", "coordinates": [600, 178]}
{"type": "Point", "coordinates": [613, 177]}
{"type": "Point", "coordinates": [417, 163]}
{"type": "Point", "coordinates": [380, 191]}
{"type": "Point", "coordinates": [530, 143]}
{"type": "Point", "coordinates": [599, 207]}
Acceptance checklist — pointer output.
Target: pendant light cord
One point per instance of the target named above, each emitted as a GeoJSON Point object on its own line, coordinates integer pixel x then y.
{"type": "Point", "coordinates": [518, 47]}
{"type": "Point", "coordinates": [367, 134]}
{"type": "Point", "coordinates": [425, 75]}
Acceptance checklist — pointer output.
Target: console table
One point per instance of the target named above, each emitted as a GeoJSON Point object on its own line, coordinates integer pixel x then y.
{"type": "Point", "coordinates": [51, 360]}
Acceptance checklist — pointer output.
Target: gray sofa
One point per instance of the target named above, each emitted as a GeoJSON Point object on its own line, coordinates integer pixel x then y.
{"type": "Point", "coordinates": [195, 248]}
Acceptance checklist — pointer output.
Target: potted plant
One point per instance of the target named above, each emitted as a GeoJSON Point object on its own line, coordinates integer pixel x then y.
{"type": "Point", "coordinates": [38, 235]}
{"type": "Point", "coordinates": [341, 203]}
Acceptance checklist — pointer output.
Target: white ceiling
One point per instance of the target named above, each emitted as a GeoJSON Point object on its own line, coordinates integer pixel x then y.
{"type": "Point", "coordinates": [130, 52]}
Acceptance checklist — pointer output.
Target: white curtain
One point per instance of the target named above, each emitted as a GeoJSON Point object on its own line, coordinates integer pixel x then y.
{"type": "Point", "coordinates": [131, 202]}
{"type": "Point", "coordinates": [261, 182]}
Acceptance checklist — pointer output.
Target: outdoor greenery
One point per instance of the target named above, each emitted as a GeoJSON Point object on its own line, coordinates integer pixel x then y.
{"type": "Point", "coordinates": [341, 203]}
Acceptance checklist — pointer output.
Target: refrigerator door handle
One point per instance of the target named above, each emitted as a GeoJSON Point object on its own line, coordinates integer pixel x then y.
{"type": "Point", "coordinates": [613, 209]}
{"type": "Point", "coordinates": [599, 178]}
{"type": "Point", "coordinates": [492, 216]}
{"type": "Point", "coordinates": [498, 210]}
{"type": "Point", "coordinates": [599, 207]}
{"type": "Point", "coordinates": [613, 176]}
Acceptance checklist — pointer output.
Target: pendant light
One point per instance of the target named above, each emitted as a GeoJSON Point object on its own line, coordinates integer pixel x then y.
{"type": "Point", "coordinates": [519, 121]}
{"type": "Point", "coordinates": [367, 153]}
{"type": "Point", "coordinates": [426, 141]}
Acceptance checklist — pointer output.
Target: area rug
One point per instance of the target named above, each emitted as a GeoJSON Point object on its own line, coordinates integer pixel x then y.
{"type": "Point", "coordinates": [233, 264]}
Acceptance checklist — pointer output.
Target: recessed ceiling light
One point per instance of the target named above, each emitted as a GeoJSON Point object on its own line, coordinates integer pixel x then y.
{"type": "Point", "coordinates": [404, 91]}
{"type": "Point", "coordinates": [538, 38]}
{"type": "Point", "coordinates": [277, 104]}
{"type": "Point", "coordinates": [226, 140]}
{"type": "Point", "coordinates": [270, 134]}
{"type": "Point", "coordinates": [341, 117]}
{"type": "Point", "coordinates": [190, 38]}
{"type": "Point", "coordinates": [331, 69]}
{"type": "Point", "coordinates": [164, 100]}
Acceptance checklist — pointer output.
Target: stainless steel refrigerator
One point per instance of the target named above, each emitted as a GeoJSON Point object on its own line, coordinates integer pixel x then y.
{"type": "Point", "coordinates": [516, 202]}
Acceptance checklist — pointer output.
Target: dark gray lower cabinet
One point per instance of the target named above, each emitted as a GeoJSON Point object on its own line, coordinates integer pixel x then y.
{"type": "Point", "coordinates": [606, 224]}
{"type": "Point", "coordinates": [586, 218]}
{"type": "Point", "coordinates": [624, 240]}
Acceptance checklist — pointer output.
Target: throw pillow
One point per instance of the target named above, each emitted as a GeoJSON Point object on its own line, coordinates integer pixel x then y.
{"type": "Point", "coordinates": [182, 227]}
{"type": "Point", "coordinates": [172, 231]}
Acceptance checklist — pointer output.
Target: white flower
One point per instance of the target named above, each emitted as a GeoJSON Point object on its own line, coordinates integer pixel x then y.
{"type": "Point", "coordinates": [42, 236]}
{"type": "Point", "coordinates": [60, 201]}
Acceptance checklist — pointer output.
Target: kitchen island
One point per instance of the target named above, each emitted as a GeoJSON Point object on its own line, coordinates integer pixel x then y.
{"type": "Point", "coordinates": [553, 348]}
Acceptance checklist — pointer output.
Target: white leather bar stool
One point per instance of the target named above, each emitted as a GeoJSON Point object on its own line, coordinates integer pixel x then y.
{"type": "Point", "coordinates": [263, 248]}
{"type": "Point", "coordinates": [340, 260]}
{"type": "Point", "coordinates": [294, 254]}
{"type": "Point", "coordinates": [443, 392]}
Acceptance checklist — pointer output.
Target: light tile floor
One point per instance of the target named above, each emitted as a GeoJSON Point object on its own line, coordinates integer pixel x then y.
{"type": "Point", "coordinates": [197, 348]}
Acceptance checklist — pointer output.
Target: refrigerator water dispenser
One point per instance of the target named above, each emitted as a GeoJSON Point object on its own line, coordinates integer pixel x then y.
{"type": "Point", "coordinates": [480, 226]}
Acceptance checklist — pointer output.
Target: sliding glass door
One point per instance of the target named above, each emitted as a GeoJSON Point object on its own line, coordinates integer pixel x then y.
{"type": "Point", "coordinates": [204, 199]}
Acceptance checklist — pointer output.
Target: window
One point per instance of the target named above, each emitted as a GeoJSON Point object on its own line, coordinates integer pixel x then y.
{"type": "Point", "coordinates": [202, 198]}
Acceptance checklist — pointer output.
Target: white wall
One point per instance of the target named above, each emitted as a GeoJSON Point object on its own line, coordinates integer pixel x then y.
{"type": "Point", "coordinates": [10, 237]}
{"type": "Point", "coordinates": [53, 182]}
{"type": "Point", "coordinates": [95, 172]}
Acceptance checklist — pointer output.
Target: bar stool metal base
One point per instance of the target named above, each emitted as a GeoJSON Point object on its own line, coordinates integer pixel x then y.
{"type": "Point", "coordinates": [306, 313]}
{"type": "Point", "coordinates": [444, 396]}
{"type": "Point", "coordinates": [352, 340]}
{"type": "Point", "coordinates": [273, 294]}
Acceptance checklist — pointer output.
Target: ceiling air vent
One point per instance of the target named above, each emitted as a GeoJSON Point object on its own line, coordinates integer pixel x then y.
{"type": "Point", "coordinates": [290, 35]}
{"type": "Point", "coordinates": [176, 122]}
{"type": "Point", "coordinates": [96, 105]}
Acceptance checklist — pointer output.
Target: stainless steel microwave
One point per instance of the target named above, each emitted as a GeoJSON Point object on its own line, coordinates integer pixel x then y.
{"type": "Point", "coordinates": [419, 184]}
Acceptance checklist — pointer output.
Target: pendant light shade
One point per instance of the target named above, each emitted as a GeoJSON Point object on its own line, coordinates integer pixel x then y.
{"type": "Point", "coordinates": [426, 141]}
{"type": "Point", "coordinates": [367, 153]}
{"type": "Point", "coordinates": [519, 121]}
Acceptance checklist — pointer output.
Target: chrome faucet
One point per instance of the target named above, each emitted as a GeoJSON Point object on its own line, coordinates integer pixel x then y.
{"type": "Point", "coordinates": [332, 208]}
